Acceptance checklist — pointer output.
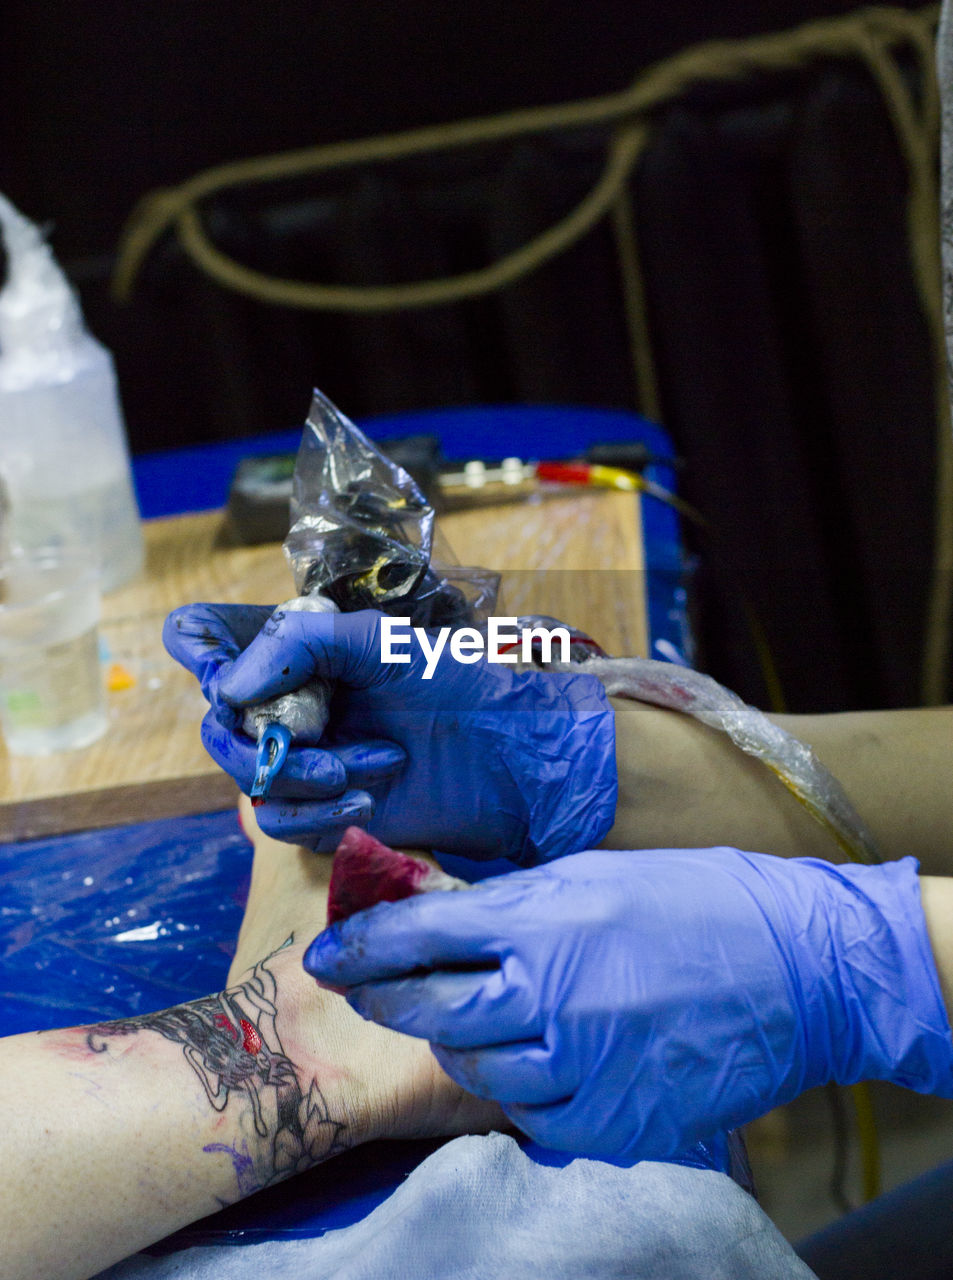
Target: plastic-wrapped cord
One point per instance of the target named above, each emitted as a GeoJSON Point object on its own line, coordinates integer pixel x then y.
{"type": "Point", "coordinates": [793, 762]}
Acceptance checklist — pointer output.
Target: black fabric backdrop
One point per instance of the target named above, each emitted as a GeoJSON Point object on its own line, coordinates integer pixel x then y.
{"type": "Point", "coordinates": [796, 378]}
{"type": "Point", "coordinates": [792, 357]}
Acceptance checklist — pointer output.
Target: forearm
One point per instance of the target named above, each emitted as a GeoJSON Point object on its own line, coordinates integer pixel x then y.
{"type": "Point", "coordinates": [682, 784]}
{"type": "Point", "coordinates": [897, 767]}
{"type": "Point", "coordinates": [936, 894]}
{"type": "Point", "coordinates": [114, 1136]}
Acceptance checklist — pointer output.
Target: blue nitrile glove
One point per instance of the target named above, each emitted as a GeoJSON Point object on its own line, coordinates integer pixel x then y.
{"type": "Point", "coordinates": [206, 639]}
{"type": "Point", "coordinates": [626, 1005]}
{"type": "Point", "coordinates": [498, 763]}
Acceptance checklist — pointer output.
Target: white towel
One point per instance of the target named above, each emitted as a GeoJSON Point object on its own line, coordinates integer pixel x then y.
{"type": "Point", "coordinates": [480, 1209]}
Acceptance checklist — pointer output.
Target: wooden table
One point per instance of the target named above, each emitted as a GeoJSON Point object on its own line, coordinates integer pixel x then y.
{"type": "Point", "coordinates": [577, 557]}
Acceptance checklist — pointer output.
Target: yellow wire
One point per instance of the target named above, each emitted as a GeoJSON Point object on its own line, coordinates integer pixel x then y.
{"type": "Point", "coordinates": [870, 1168]}
{"type": "Point", "coordinates": [622, 478]}
{"type": "Point", "coordinates": [852, 848]}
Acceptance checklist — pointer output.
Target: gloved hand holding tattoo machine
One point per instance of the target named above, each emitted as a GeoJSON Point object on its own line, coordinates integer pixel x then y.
{"type": "Point", "coordinates": [480, 759]}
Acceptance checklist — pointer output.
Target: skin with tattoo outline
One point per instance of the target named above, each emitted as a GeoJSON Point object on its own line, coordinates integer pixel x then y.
{"type": "Point", "coordinates": [231, 1042]}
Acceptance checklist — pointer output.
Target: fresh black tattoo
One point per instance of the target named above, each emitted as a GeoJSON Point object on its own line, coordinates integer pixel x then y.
{"type": "Point", "coordinates": [231, 1043]}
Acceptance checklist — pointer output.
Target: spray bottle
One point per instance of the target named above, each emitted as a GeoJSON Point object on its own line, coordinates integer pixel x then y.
{"type": "Point", "coordinates": [63, 453]}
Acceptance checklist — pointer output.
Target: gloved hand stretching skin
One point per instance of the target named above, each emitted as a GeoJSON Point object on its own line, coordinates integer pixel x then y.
{"type": "Point", "coordinates": [365, 872]}
{"type": "Point", "coordinates": [495, 762]}
{"type": "Point", "coordinates": [628, 1004]}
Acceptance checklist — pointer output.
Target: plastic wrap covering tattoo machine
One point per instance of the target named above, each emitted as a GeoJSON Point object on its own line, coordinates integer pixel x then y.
{"type": "Point", "coordinates": [361, 538]}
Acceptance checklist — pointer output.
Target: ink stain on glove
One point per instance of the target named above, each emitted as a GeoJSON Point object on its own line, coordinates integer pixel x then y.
{"type": "Point", "coordinates": [366, 872]}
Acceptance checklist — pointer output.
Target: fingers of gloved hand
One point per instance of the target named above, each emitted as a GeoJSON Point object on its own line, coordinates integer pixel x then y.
{"type": "Point", "coordinates": [307, 773]}
{"type": "Point", "coordinates": [204, 637]}
{"type": "Point", "coordinates": [524, 1073]}
{"type": "Point", "coordinates": [292, 648]}
{"type": "Point", "coordinates": [459, 1010]}
{"type": "Point", "coordinates": [315, 824]}
{"type": "Point", "coordinates": [393, 939]}
{"type": "Point", "coordinates": [368, 763]}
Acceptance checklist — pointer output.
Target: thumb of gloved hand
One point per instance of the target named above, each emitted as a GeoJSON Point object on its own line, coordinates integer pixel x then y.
{"type": "Point", "coordinates": [294, 648]}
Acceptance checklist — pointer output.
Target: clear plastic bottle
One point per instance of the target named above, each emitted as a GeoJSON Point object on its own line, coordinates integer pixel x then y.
{"type": "Point", "coordinates": [63, 452]}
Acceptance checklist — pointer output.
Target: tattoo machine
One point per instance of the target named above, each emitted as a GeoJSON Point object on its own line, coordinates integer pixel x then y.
{"type": "Point", "coordinates": [361, 538]}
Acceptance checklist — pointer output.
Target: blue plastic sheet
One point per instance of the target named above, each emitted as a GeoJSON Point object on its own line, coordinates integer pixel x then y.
{"type": "Point", "coordinates": [105, 924]}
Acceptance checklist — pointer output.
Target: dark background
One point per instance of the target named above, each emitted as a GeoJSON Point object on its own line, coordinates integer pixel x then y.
{"type": "Point", "coordinates": [793, 362]}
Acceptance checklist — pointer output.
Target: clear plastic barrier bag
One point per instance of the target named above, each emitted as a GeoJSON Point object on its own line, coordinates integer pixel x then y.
{"type": "Point", "coordinates": [362, 532]}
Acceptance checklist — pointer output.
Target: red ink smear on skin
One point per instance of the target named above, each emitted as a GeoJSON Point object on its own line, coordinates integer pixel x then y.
{"type": "Point", "coordinates": [252, 1040]}
{"type": "Point", "coordinates": [226, 1024]}
{"type": "Point", "coordinates": [366, 872]}
{"type": "Point", "coordinates": [76, 1047]}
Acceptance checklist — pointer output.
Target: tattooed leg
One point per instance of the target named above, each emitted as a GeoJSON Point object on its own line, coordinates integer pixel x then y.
{"type": "Point", "coordinates": [114, 1135]}
{"type": "Point", "coordinates": [404, 1091]}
